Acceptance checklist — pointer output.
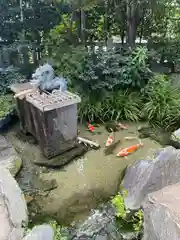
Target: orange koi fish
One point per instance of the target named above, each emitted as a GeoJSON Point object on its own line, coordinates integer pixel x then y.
{"type": "Point", "coordinates": [109, 141]}
{"type": "Point", "coordinates": [126, 151]}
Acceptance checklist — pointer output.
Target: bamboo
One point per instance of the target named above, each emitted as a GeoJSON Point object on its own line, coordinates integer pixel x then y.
{"type": "Point", "coordinates": [89, 142]}
{"type": "Point", "coordinates": [23, 93]}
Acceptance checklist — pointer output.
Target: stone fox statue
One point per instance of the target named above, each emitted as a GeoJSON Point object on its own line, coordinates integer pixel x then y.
{"type": "Point", "coordinates": [45, 79]}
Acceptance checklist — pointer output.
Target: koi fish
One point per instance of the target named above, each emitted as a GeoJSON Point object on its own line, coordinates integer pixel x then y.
{"type": "Point", "coordinates": [91, 128]}
{"type": "Point", "coordinates": [109, 150]}
{"type": "Point", "coordinates": [109, 141]}
{"type": "Point", "coordinates": [130, 138]}
{"type": "Point", "coordinates": [122, 126]}
{"type": "Point", "coordinates": [126, 151]}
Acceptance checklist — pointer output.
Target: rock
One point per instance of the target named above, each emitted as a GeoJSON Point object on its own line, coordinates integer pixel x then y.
{"type": "Point", "coordinates": [176, 135]}
{"type": "Point", "coordinates": [143, 177]}
{"type": "Point", "coordinates": [47, 185]}
{"type": "Point", "coordinates": [13, 209]}
{"type": "Point", "coordinates": [8, 156]}
{"type": "Point", "coordinates": [65, 158]}
{"type": "Point", "coordinates": [42, 232]}
{"type": "Point", "coordinates": [28, 199]}
{"type": "Point", "coordinates": [162, 214]}
{"type": "Point", "coordinates": [101, 225]}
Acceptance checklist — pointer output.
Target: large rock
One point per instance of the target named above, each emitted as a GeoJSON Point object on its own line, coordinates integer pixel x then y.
{"type": "Point", "coordinates": [162, 214]}
{"type": "Point", "coordinates": [42, 232]}
{"type": "Point", "coordinates": [143, 177]}
{"type": "Point", "coordinates": [9, 157]}
{"type": "Point", "coordinates": [13, 209]}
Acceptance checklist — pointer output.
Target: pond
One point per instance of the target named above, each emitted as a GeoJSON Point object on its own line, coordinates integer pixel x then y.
{"type": "Point", "coordinates": [69, 193]}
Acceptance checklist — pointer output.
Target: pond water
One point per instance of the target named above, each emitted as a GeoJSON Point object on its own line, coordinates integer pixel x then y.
{"type": "Point", "coordinates": [85, 182]}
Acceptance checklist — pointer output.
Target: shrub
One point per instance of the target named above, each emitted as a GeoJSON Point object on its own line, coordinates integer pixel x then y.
{"type": "Point", "coordinates": [162, 102]}
{"type": "Point", "coordinates": [120, 105]}
{"type": "Point", "coordinates": [90, 71]}
{"type": "Point", "coordinates": [127, 220]}
{"type": "Point", "coordinates": [58, 231]}
{"type": "Point", "coordinates": [167, 52]}
{"type": "Point", "coordinates": [7, 105]}
{"type": "Point", "coordinates": [7, 77]}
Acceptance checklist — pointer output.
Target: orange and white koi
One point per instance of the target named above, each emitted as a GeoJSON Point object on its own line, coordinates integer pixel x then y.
{"type": "Point", "coordinates": [122, 126]}
{"type": "Point", "coordinates": [109, 141]}
{"type": "Point", "coordinates": [126, 151]}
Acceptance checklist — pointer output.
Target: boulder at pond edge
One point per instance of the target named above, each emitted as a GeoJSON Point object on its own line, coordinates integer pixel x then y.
{"type": "Point", "coordinates": [13, 209]}
{"type": "Point", "coordinates": [100, 225]}
{"type": "Point", "coordinates": [42, 232]}
{"type": "Point", "coordinates": [147, 176]}
{"type": "Point", "coordinates": [9, 157]}
{"type": "Point", "coordinates": [162, 214]}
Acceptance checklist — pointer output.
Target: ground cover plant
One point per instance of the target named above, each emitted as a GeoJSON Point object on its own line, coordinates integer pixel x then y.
{"type": "Point", "coordinates": [7, 105]}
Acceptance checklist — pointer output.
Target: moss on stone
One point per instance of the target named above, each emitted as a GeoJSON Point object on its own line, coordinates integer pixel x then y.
{"type": "Point", "coordinates": [16, 166]}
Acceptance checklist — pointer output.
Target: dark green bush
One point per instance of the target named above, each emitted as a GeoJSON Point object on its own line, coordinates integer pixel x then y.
{"type": "Point", "coordinates": [7, 105]}
{"type": "Point", "coordinates": [161, 103]}
{"type": "Point", "coordinates": [166, 52]}
{"type": "Point", "coordinates": [9, 76]}
{"type": "Point", "coordinates": [94, 72]}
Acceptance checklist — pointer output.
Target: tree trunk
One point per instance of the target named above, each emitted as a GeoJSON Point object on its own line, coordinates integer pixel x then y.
{"type": "Point", "coordinates": [106, 22]}
{"type": "Point", "coordinates": [122, 37]}
{"type": "Point", "coordinates": [131, 22]}
{"type": "Point", "coordinates": [83, 37]}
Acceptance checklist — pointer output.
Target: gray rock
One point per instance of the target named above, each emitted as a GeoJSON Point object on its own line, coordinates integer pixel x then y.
{"type": "Point", "coordinates": [9, 157]}
{"type": "Point", "coordinates": [162, 214]}
{"type": "Point", "coordinates": [42, 232]}
{"type": "Point", "coordinates": [13, 209]}
{"type": "Point", "coordinates": [100, 237]}
{"type": "Point", "coordinates": [101, 225]}
{"type": "Point", "coordinates": [144, 177]}
{"type": "Point", "coordinates": [176, 135]}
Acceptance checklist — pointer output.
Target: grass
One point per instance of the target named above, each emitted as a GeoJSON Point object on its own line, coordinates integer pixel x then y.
{"type": "Point", "coordinates": [158, 103]}
{"type": "Point", "coordinates": [116, 106]}
{"type": "Point", "coordinates": [162, 103]}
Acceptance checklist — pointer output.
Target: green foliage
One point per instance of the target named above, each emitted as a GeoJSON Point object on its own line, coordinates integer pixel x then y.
{"type": "Point", "coordinates": [7, 105]}
{"type": "Point", "coordinates": [70, 64]}
{"type": "Point", "coordinates": [162, 102]}
{"type": "Point", "coordinates": [118, 202]}
{"type": "Point", "coordinates": [158, 102]}
{"type": "Point", "coordinates": [167, 51]}
{"type": "Point", "coordinates": [58, 231]}
{"type": "Point", "coordinates": [8, 77]}
{"type": "Point", "coordinates": [134, 220]}
{"type": "Point", "coordinates": [60, 38]}
{"type": "Point", "coordinates": [120, 105]}
{"type": "Point", "coordinates": [95, 73]}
